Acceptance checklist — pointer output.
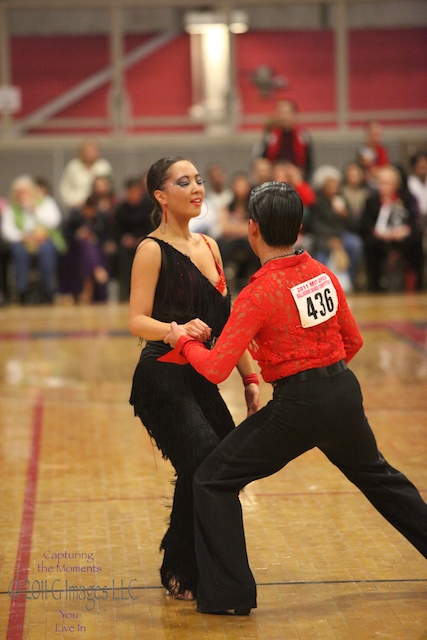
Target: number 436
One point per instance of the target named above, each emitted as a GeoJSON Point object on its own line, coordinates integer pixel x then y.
{"type": "Point", "coordinates": [321, 303]}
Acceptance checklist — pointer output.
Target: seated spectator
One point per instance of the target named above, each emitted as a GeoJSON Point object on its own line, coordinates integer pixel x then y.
{"type": "Point", "coordinates": [261, 171]}
{"type": "Point", "coordinates": [284, 171]}
{"type": "Point", "coordinates": [284, 139]}
{"type": "Point", "coordinates": [43, 186]}
{"type": "Point", "coordinates": [240, 262]}
{"type": "Point", "coordinates": [106, 202]}
{"type": "Point", "coordinates": [279, 171]}
{"type": "Point", "coordinates": [84, 270]}
{"type": "Point", "coordinates": [417, 184]}
{"type": "Point", "coordinates": [103, 190]}
{"type": "Point", "coordinates": [335, 242]}
{"type": "Point", "coordinates": [132, 222]}
{"type": "Point", "coordinates": [208, 220]}
{"type": "Point", "coordinates": [217, 196]}
{"type": "Point", "coordinates": [216, 188]}
{"type": "Point", "coordinates": [31, 227]}
{"type": "Point", "coordinates": [76, 181]}
{"type": "Point", "coordinates": [354, 190]}
{"type": "Point", "coordinates": [390, 224]}
{"type": "Point", "coordinates": [4, 261]}
{"type": "Point", "coordinates": [372, 154]}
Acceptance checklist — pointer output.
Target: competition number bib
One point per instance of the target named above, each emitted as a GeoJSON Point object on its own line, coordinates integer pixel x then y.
{"type": "Point", "coordinates": [316, 300]}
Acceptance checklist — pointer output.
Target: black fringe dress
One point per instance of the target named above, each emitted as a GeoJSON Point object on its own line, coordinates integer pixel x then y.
{"type": "Point", "coordinates": [182, 411]}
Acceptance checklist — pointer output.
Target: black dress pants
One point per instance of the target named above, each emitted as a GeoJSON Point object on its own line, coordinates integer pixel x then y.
{"type": "Point", "coordinates": [325, 412]}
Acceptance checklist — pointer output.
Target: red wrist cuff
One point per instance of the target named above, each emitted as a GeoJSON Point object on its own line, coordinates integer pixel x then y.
{"type": "Point", "coordinates": [176, 356]}
{"type": "Point", "coordinates": [173, 357]}
{"type": "Point", "coordinates": [183, 341]}
{"type": "Point", "coordinates": [251, 378]}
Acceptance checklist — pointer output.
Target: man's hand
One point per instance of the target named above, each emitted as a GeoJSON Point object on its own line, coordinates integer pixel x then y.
{"type": "Point", "coordinates": [195, 329]}
{"type": "Point", "coordinates": [252, 398]}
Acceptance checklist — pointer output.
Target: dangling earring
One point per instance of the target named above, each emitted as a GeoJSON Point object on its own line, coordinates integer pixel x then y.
{"type": "Point", "coordinates": [201, 216]}
{"type": "Point", "coordinates": [165, 213]}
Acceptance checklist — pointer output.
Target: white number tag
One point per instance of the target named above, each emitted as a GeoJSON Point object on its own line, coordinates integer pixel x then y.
{"type": "Point", "coordinates": [316, 300]}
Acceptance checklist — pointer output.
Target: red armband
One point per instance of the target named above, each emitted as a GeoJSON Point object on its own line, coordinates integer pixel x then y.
{"type": "Point", "coordinates": [251, 378]}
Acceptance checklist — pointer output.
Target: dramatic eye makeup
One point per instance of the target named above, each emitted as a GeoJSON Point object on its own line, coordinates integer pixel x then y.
{"type": "Point", "coordinates": [184, 181]}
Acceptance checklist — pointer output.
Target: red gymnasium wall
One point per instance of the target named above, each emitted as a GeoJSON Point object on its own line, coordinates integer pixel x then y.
{"type": "Point", "coordinates": [388, 70]}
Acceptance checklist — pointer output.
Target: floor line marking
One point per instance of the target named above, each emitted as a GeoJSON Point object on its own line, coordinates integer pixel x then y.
{"type": "Point", "coordinates": [280, 583]}
{"type": "Point", "coordinates": [253, 495]}
{"type": "Point", "coordinates": [15, 629]}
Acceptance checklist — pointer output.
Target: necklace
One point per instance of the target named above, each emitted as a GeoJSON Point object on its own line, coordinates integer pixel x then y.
{"type": "Point", "coordinates": [283, 255]}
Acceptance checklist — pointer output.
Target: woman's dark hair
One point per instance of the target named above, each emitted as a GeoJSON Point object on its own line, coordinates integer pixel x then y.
{"type": "Point", "coordinates": [235, 202]}
{"type": "Point", "coordinates": [129, 183]}
{"type": "Point", "coordinates": [91, 201]}
{"type": "Point", "coordinates": [277, 209]}
{"type": "Point", "coordinates": [417, 156]}
{"type": "Point", "coordinates": [156, 177]}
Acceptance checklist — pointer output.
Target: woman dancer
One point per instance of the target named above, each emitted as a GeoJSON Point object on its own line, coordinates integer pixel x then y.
{"type": "Point", "coordinates": [177, 275]}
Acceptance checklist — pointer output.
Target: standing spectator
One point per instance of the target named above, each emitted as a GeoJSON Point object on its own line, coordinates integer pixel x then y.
{"type": "Point", "coordinates": [132, 223]}
{"type": "Point", "coordinates": [417, 183]}
{"type": "Point", "coordinates": [335, 242]}
{"type": "Point", "coordinates": [31, 225]}
{"type": "Point", "coordinates": [77, 178]}
{"type": "Point", "coordinates": [390, 223]}
{"type": "Point", "coordinates": [372, 154]}
{"type": "Point", "coordinates": [285, 140]}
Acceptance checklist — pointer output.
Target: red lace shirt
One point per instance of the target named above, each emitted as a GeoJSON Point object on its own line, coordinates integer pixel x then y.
{"type": "Point", "coordinates": [293, 316]}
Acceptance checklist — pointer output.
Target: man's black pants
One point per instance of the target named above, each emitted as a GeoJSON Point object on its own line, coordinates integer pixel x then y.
{"type": "Point", "coordinates": [324, 411]}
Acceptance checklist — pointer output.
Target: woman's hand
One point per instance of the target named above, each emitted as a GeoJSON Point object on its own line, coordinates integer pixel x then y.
{"type": "Point", "coordinates": [195, 329]}
{"type": "Point", "coordinates": [252, 398]}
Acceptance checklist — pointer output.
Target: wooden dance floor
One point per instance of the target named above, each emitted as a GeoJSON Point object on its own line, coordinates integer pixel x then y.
{"type": "Point", "coordinates": [85, 494]}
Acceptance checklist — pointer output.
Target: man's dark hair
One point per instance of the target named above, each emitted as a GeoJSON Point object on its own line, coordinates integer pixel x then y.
{"type": "Point", "coordinates": [277, 209]}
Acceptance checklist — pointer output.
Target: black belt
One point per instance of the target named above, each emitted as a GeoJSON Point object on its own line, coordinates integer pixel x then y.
{"type": "Point", "coordinates": [313, 374]}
